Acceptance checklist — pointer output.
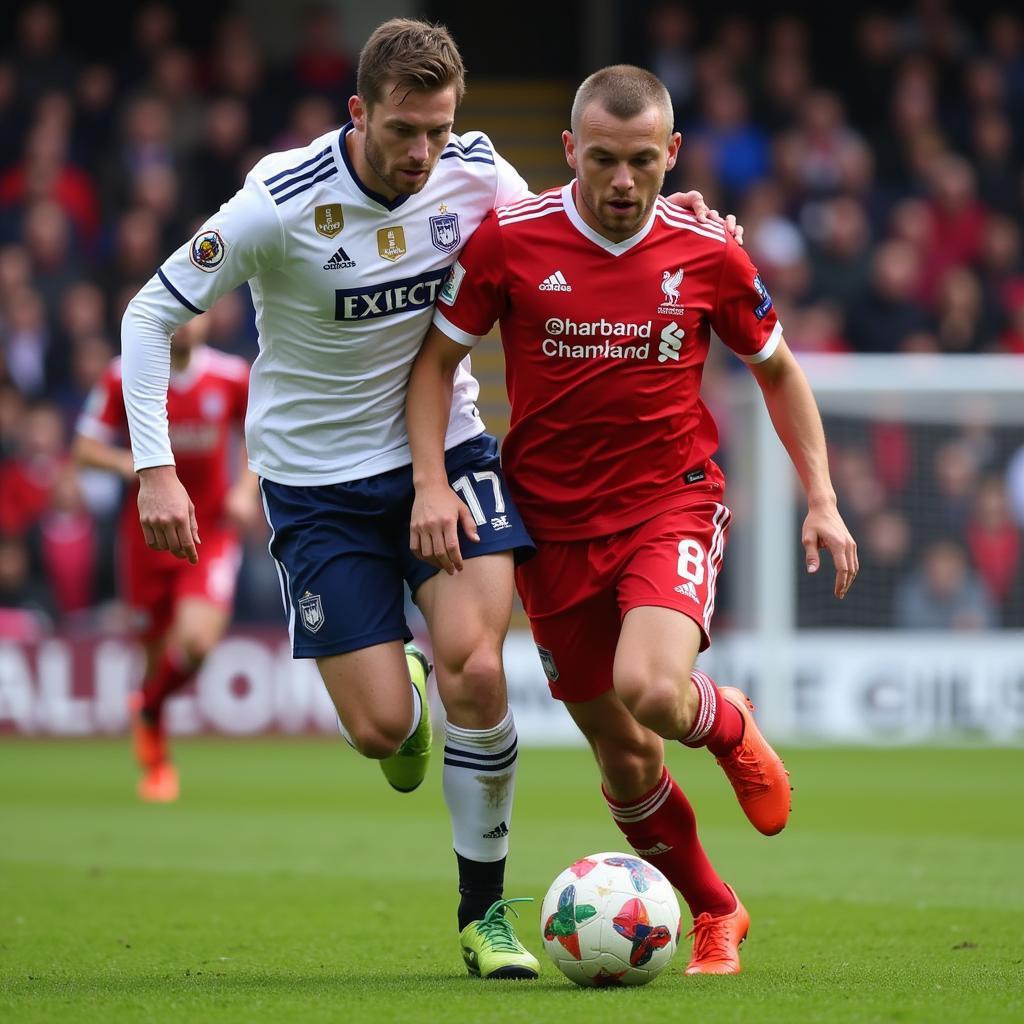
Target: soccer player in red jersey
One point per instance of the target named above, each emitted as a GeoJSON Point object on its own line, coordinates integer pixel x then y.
{"type": "Point", "coordinates": [606, 298]}
{"type": "Point", "coordinates": [340, 323]}
{"type": "Point", "coordinates": [182, 609]}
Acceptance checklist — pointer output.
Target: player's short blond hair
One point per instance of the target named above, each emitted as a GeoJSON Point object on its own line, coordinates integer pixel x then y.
{"type": "Point", "coordinates": [625, 91]}
{"type": "Point", "coordinates": [409, 55]}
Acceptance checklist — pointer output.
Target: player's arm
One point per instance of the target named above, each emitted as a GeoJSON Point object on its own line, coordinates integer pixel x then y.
{"type": "Point", "coordinates": [437, 509]}
{"type": "Point", "coordinates": [242, 238]}
{"type": "Point", "coordinates": [794, 414]}
{"type": "Point", "coordinates": [93, 453]}
{"type": "Point", "coordinates": [468, 304]}
{"type": "Point", "coordinates": [99, 430]}
{"type": "Point", "coordinates": [242, 502]}
{"type": "Point", "coordinates": [166, 513]}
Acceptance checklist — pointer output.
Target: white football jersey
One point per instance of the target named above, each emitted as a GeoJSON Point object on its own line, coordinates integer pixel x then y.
{"type": "Point", "coordinates": [343, 282]}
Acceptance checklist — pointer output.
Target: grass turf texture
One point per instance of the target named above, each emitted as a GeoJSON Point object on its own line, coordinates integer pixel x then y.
{"type": "Point", "coordinates": [290, 884]}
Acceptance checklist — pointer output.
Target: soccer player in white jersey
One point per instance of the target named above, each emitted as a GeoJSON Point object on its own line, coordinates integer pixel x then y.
{"type": "Point", "coordinates": [607, 297]}
{"type": "Point", "coordinates": [345, 244]}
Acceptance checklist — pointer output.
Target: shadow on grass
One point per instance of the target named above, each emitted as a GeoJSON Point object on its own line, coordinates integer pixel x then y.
{"type": "Point", "coordinates": [211, 980]}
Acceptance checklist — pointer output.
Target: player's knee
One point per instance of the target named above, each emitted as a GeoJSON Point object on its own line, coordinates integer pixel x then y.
{"type": "Point", "coordinates": [653, 702]}
{"type": "Point", "coordinates": [632, 764]}
{"type": "Point", "coordinates": [376, 740]}
{"type": "Point", "coordinates": [478, 690]}
{"type": "Point", "coordinates": [196, 647]}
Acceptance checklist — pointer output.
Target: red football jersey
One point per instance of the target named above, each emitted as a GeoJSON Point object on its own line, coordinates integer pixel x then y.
{"type": "Point", "coordinates": [605, 345]}
{"type": "Point", "coordinates": [205, 403]}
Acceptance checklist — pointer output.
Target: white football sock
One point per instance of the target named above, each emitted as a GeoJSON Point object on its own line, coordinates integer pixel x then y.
{"type": "Point", "coordinates": [479, 783]}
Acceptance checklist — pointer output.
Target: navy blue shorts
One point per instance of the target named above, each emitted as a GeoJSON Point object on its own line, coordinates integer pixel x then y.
{"type": "Point", "coordinates": [342, 550]}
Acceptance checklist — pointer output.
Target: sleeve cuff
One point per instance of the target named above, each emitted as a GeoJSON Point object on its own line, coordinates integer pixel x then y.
{"type": "Point", "coordinates": [149, 461]}
{"type": "Point", "coordinates": [768, 348]}
{"type": "Point", "coordinates": [446, 327]}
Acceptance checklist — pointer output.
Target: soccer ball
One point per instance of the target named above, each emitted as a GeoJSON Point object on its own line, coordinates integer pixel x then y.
{"type": "Point", "coordinates": [610, 919]}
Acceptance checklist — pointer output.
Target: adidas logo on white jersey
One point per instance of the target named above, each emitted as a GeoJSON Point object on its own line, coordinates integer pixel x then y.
{"type": "Point", "coordinates": [555, 283]}
{"type": "Point", "coordinates": [339, 261]}
{"type": "Point", "coordinates": [688, 590]}
{"type": "Point", "coordinates": [498, 832]}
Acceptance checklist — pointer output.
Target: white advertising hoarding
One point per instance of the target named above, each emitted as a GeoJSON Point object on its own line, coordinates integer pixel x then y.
{"type": "Point", "coordinates": [843, 686]}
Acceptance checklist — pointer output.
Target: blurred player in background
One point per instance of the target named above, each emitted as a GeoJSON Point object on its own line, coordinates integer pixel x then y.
{"type": "Point", "coordinates": [182, 609]}
{"type": "Point", "coordinates": [606, 296]}
{"type": "Point", "coordinates": [345, 243]}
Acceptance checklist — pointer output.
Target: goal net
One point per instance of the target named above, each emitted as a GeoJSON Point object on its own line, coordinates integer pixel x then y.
{"type": "Point", "coordinates": [927, 457]}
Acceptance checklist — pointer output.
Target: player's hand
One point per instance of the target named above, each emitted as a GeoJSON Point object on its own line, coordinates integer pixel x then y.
{"type": "Point", "coordinates": [166, 513]}
{"type": "Point", "coordinates": [694, 202]}
{"type": "Point", "coordinates": [824, 529]}
{"type": "Point", "coordinates": [434, 527]}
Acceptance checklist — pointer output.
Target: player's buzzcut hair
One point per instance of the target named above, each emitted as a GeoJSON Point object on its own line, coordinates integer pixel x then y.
{"type": "Point", "coordinates": [625, 91]}
{"type": "Point", "coordinates": [412, 56]}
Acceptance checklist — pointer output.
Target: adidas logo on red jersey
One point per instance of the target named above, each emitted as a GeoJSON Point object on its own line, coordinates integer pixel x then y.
{"type": "Point", "coordinates": [555, 283]}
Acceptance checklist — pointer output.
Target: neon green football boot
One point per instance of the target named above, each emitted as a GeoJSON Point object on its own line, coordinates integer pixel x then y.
{"type": "Point", "coordinates": [407, 767]}
{"type": "Point", "coordinates": [492, 949]}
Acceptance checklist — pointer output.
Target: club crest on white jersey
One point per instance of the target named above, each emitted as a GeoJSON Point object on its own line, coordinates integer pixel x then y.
{"type": "Point", "coordinates": [444, 232]}
{"type": "Point", "coordinates": [343, 282]}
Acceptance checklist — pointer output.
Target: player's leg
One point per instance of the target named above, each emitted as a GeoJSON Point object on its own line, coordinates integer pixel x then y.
{"type": "Point", "coordinates": [200, 599]}
{"type": "Point", "coordinates": [649, 808]}
{"type": "Point", "coordinates": [578, 639]}
{"type": "Point", "coordinates": [666, 593]}
{"type": "Point", "coordinates": [378, 706]}
{"type": "Point", "coordinates": [190, 606]}
{"type": "Point", "coordinates": [196, 628]}
{"type": "Point", "coordinates": [158, 782]}
{"type": "Point", "coordinates": [342, 587]}
{"type": "Point", "coordinates": [467, 616]}
{"type": "Point", "coordinates": [147, 581]}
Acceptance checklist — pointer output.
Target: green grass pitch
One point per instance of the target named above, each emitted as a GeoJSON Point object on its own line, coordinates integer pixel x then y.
{"type": "Point", "coordinates": [289, 884]}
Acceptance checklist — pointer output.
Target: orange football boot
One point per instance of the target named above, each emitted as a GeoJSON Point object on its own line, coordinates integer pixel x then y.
{"type": "Point", "coordinates": [716, 941]}
{"type": "Point", "coordinates": [756, 771]}
{"type": "Point", "coordinates": [159, 784]}
{"type": "Point", "coordinates": [150, 741]}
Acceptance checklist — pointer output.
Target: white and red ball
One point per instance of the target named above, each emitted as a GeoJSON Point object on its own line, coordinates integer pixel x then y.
{"type": "Point", "coordinates": [610, 919]}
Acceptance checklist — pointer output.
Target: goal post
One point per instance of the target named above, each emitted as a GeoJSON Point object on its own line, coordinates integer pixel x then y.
{"type": "Point", "coordinates": [914, 441]}
{"type": "Point", "coordinates": [874, 666]}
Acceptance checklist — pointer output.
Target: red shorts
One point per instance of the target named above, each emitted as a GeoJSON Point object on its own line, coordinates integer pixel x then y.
{"type": "Point", "coordinates": [577, 593]}
{"type": "Point", "coordinates": [153, 582]}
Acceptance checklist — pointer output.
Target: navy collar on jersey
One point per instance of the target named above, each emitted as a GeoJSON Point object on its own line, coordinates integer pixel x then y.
{"type": "Point", "coordinates": [388, 204]}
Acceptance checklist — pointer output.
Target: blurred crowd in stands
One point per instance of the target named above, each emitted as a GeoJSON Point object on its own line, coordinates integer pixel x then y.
{"type": "Point", "coordinates": [883, 201]}
{"type": "Point", "coordinates": [883, 206]}
{"type": "Point", "coordinates": [105, 168]}
{"type": "Point", "coordinates": [937, 512]}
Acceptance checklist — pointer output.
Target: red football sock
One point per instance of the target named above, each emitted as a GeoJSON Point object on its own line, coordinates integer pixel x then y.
{"type": "Point", "coordinates": [169, 674]}
{"type": "Point", "coordinates": [662, 828]}
{"type": "Point", "coordinates": [719, 725]}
